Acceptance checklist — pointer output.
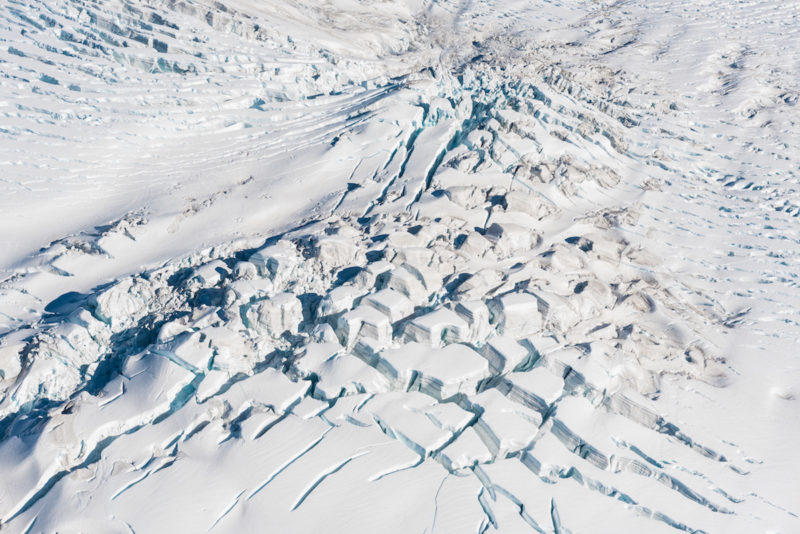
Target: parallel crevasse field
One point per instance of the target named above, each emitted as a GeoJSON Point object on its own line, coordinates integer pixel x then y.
{"type": "Point", "coordinates": [408, 266]}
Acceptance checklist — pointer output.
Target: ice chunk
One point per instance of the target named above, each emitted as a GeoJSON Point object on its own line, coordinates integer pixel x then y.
{"type": "Point", "coordinates": [504, 354]}
{"type": "Point", "coordinates": [204, 316]}
{"type": "Point", "coordinates": [638, 302]}
{"type": "Point", "coordinates": [190, 351]}
{"type": "Point", "coordinates": [364, 321]}
{"type": "Point", "coordinates": [281, 313]}
{"type": "Point", "coordinates": [476, 313]}
{"type": "Point", "coordinates": [402, 238]}
{"type": "Point", "coordinates": [46, 378]}
{"type": "Point", "coordinates": [338, 300]}
{"type": "Point", "coordinates": [324, 333]}
{"type": "Point", "coordinates": [528, 203]}
{"type": "Point", "coordinates": [402, 279]}
{"type": "Point", "coordinates": [562, 258]}
{"type": "Point", "coordinates": [522, 220]}
{"type": "Point", "coordinates": [171, 329]}
{"type": "Point", "coordinates": [247, 290]}
{"type": "Point", "coordinates": [511, 238]}
{"type": "Point", "coordinates": [421, 256]}
{"type": "Point", "coordinates": [122, 304]}
{"type": "Point", "coordinates": [211, 273]}
{"type": "Point", "coordinates": [391, 303]}
{"type": "Point", "coordinates": [373, 275]}
{"type": "Point", "coordinates": [98, 330]}
{"type": "Point", "coordinates": [474, 245]}
{"type": "Point", "coordinates": [505, 427]}
{"type": "Point", "coordinates": [60, 361]}
{"type": "Point", "coordinates": [440, 373]}
{"type": "Point", "coordinates": [517, 314]}
{"type": "Point", "coordinates": [466, 196]}
{"type": "Point", "coordinates": [368, 349]}
{"type": "Point", "coordinates": [72, 344]}
{"type": "Point", "coordinates": [538, 381]}
{"type": "Point", "coordinates": [610, 249]}
{"type": "Point", "coordinates": [445, 261]}
{"type": "Point", "coordinates": [430, 278]}
{"type": "Point", "coordinates": [277, 261]}
{"type": "Point", "coordinates": [313, 355]}
{"type": "Point", "coordinates": [378, 268]}
{"type": "Point", "coordinates": [364, 280]}
{"type": "Point", "coordinates": [466, 451]}
{"type": "Point", "coordinates": [344, 374]}
{"type": "Point", "coordinates": [244, 270]}
{"type": "Point", "coordinates": [477, 285]}
{"type": "Point", "coordinates": [437, 328]}
{"type": "Point", "coordinates": [401, 416]}
{"type": "Point", "coordinates": [591, 296]}
{"type": "Point", "coordinates": [335, 251]}
{"type": "Point", "coordinates": [558, 311]}
{"type": "Point", "coordinates": [450, 416]}
{"type": "Point", "coordinates": [231, 353]}
{"type": "Point", "coordinates": [10, 359]}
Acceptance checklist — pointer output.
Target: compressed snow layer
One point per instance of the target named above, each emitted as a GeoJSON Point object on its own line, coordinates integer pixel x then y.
{"type": "Point", "coordinates": [400, 266]}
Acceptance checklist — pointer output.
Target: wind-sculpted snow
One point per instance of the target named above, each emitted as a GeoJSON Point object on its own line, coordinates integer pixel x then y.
{"type": "Point", "coordinates": [396, 267]}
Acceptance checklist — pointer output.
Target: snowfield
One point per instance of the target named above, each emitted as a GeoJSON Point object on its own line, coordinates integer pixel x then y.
{"type": "Point", "coordinates": [399, 266]}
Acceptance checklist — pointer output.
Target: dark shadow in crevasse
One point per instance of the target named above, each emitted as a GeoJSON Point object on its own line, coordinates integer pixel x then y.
{"type": "Point", "coordinates": [66, 303]}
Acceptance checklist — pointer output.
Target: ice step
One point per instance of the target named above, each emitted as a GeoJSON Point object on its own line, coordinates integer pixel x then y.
{"type": "Point", "coordinates": [283, 312]}
{"type": "Point", "coordinates": [246, 291]}
{"type": "Point", "coordinates": [337, 251]}
{"type": "Point", "coordinates": [517, 314]}
{"type": "Point", "coordinates": [364, 321]}
{"type": "Point", "coordinates": [339, 299]}
{"type": "Point", "coordinates": [466, 451]}
{"type": "Point", "coordinates": [391, 303]}
{"type": "Point", "coordinates": [190, 351]}
{"type": "Point", "coordinates": [276, 261]}
{"type": "Point", "coordinates": [440, 373]}
{"type": "Point", "coordinates": [402, 416]}
{"type": "Point", "coordinates": [511, 238]}
{"type": "Point", "coordinates": [477, 315]}
{"type": "Point", "coordinates": [211, 273]}
{"type": "Point", "coordinates": [345, 374]}
{"type": "Point", "coordinates": [536, 388]}
{"type": "Point", "coordinates": [504, 426]}
{"type": "Point", "coordinates": [437, 328]}
{"type": "Point", "coordinates": [504, 354]}
{"type": "Point", "coordinates": [402, 279]}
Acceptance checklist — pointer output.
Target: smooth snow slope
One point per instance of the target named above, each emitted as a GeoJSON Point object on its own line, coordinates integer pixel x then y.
{"type": "Point", "coordinates": [399, 266]}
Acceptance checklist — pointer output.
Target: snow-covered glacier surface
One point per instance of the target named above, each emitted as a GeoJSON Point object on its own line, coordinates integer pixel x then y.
{"type": "Point", "coordinates": [399, 266]}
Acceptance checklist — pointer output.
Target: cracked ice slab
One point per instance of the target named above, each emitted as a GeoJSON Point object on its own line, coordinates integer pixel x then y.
{"type": "Point", "coordinates": [391, 303]}
{"type": "Point", "coordinates": [437, 328]}
{"type": "Point", "coordinates": [443, 372]}
{"type": "Point", "coordinates": [403, 417]}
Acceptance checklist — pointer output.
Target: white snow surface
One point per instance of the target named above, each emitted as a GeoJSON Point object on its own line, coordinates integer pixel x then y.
{"type": "Point", "coordinates": [439, 266]}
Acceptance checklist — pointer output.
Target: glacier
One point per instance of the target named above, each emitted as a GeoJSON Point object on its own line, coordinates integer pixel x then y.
{"type": "Point", "coordinates": [402, 266]}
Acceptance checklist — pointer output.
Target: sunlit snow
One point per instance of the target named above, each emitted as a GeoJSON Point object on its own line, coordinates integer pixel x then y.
{"type": "Point", "coordinates": [399, 266]}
